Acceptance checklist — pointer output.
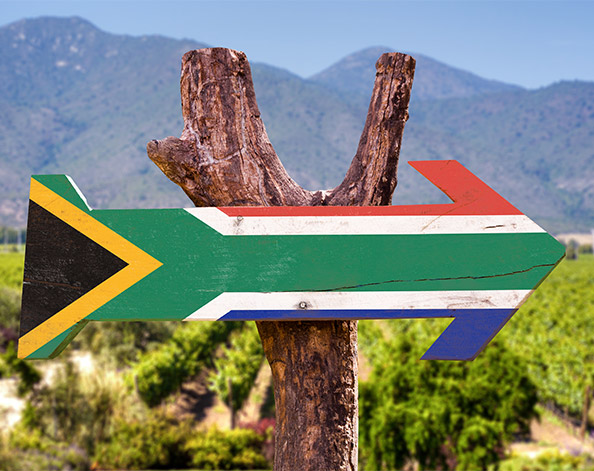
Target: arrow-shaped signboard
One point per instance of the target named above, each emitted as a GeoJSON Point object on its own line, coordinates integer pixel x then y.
{"type": "Point", "coordinates": [475, 260]}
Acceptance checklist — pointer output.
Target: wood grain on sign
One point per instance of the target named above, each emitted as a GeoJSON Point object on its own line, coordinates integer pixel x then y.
{"type": "Point", "coordinates": [476, 259]}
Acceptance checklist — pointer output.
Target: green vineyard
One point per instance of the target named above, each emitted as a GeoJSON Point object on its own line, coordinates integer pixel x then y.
{"type": "Point", "coordinates": [441, 415]}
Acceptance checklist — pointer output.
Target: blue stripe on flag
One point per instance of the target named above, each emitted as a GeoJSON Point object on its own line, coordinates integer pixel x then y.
{"type": "Point", "coordinates": [463, 339]}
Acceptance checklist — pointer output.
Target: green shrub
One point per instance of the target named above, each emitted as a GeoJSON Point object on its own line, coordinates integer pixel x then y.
{"type": "Point", "coordinates": [161, 442]}
{"type": "Point", "coordinates": [237, 367]}
{"type": "Point", "coordinates": [557, 461]}
{"type": "Point", "coordinates": [162, 371]}
{"type": "Point", "coordinates": [154, 442]}
{"type": "Point", "coordinates": [265, 428]}
{"type": "Point", "coordinates": [61, 409]}
{"type": "Point", "coordinates": [31, 450]}
{"type": "Point", "coordinates": [549, 461]}
{"type": "Point", "coordinates": [442, 415]}
{"type": "Point", "coordinates": [233, 449]}
{"type": "Point", "coordinates": [10, 309]}
{"type": "Point", "coordinates": [121, 343]}
{"type": "Point", "coordinates": [74, 410]}
{"type": "Point", "coordinates": [11, 365]}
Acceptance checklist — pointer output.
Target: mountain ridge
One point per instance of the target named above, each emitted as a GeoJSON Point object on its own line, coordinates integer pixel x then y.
{"type": "Point", "coordinates": [93, 122]}
{"type": "Point", "coordinates": [433, 79]}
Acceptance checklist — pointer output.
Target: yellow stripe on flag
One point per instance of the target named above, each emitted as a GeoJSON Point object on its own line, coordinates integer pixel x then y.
{"type": "Point", "coordinates": [140, 264]}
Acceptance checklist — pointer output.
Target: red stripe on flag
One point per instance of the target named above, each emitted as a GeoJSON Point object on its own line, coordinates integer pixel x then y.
{"type": "Point", "coordinates": [470, 196]}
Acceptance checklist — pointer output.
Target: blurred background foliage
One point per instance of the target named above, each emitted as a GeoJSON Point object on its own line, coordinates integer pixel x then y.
{"type": "Point", "coordinates": [443, 415]}
{"type": "Point", "coordinates": [167, 395]}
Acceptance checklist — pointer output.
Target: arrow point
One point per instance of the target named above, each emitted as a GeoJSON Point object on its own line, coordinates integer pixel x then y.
{"type": "Point", "coordinates": [468, 334]}
{"type": "Point", "coordinates": [468, 192]}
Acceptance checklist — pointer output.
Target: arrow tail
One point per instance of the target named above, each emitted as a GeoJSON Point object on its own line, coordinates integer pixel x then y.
{"type": "Point", "coordinates": [73, 265]}
{"type": "Point", "coordinates": [468, 334]}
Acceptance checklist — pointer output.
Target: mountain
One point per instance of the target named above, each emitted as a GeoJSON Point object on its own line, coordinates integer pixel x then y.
{"type": "Point", "coordinates": [80, 101]}
{"type": "Point", "coordinates": [353, 77]}
{"type": "Point", "coordinates": [313, 130]}
{"type": "Point", "coordinates": [535, 147]}
{"type": "Point", "coordinates": [84, 102]}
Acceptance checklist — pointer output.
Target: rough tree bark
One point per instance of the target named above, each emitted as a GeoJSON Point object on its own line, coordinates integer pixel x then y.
{"type": "Point", "coordinates": [224, 158]}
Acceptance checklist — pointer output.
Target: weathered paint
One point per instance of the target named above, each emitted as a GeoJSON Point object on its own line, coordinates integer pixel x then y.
{"type": "Point", "coordinates": [476, 259]}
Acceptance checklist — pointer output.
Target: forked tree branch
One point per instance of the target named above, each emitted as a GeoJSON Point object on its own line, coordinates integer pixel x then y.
{"type": "Point", "coordinates": [224, 158]}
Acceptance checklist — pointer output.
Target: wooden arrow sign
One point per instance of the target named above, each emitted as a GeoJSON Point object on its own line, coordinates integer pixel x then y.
{"type": "Point", "coordinates": [475, 260]}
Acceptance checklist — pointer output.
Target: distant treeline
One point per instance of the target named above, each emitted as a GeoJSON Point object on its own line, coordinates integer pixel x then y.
{"type": "Point", "coordinates": [573, 248]}
{"type": "Point", "coordinates": [12, 235]}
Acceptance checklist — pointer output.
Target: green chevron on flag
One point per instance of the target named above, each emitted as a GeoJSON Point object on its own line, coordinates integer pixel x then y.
{"type": "Point", "coordinates": [475, 260]}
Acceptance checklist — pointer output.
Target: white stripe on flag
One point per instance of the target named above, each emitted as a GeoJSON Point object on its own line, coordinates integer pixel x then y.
{"type": "Point", "coordinates": [360, 300]}
{"type": "Point", "coordinates": [353, 225]}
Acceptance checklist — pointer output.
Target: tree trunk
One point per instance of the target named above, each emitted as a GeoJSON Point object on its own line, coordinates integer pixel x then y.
{"type": "Point", "coordinates": [585, 410]}
{"type": "Point", "coordinates": [224, 158]}
{"type": "Point", "coordinates": [230, 401]}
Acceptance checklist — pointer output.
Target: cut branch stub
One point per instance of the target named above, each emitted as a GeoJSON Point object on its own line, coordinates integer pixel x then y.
{"type": "Point", "coordinates": [371, 178]}
{"type": "Point", "coordinates": [224, 158]}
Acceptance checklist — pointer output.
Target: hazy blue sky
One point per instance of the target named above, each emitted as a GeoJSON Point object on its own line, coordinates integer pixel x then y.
{"type": "Point", "coordinates": [530, 43]}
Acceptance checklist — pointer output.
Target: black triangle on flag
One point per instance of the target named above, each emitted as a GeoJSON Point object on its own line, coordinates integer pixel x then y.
{"type": "Point", "coordinates": [61, 265]}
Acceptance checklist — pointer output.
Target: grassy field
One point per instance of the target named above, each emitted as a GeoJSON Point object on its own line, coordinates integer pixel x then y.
{"type": "Point", "coordinates": [11, 269]}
